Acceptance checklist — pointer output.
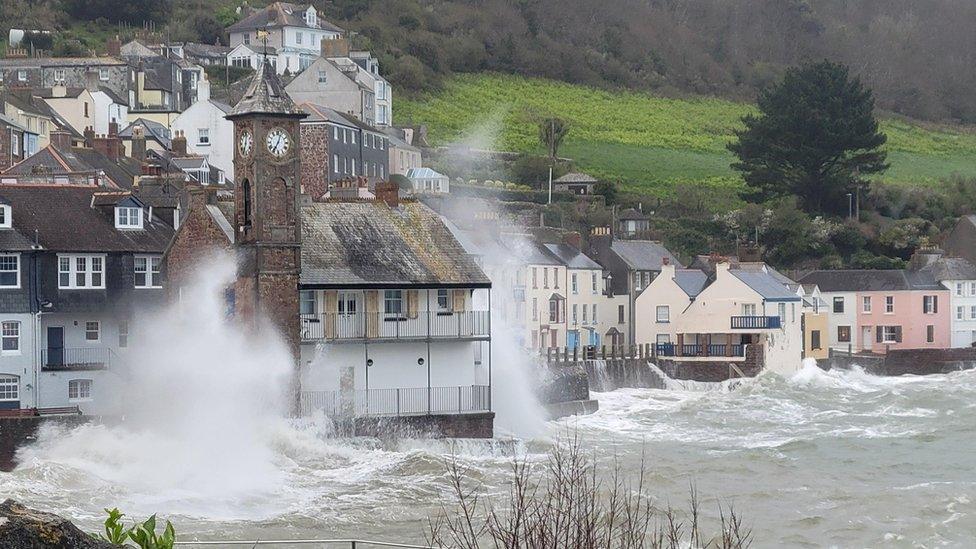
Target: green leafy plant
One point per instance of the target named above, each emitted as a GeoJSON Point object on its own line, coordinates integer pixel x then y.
{"type": "Point", "coordinates": [144, 535]}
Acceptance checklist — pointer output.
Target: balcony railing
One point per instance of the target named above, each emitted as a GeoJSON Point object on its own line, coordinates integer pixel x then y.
{"type": "Point", "coordinates": [398, 402]}
{"type": "Point", "coordinates": [385, 326]}
{"type": "Point", "coordinates": [755, 322]}
{"type": "Point", "coordinates": [692, 350]}
{"type": "Point", "coordinates": [83, 358]}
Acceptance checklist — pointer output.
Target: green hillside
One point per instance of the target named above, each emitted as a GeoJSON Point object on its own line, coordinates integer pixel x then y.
{"type": "Point", "coordinates": [649, 143]}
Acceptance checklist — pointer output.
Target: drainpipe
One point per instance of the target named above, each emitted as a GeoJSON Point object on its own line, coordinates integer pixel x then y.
{"type": "Point", "coordinates": [36, 306]}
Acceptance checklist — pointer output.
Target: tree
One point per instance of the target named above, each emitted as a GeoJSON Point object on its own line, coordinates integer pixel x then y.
{"type": "Point", "coordinates": [815, 137]}
{"type": "Point", "coordinates": [552, 131]}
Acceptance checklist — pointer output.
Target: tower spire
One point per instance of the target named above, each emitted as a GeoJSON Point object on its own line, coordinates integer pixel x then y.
{"type": "Point", "coordinates": [266, 95]}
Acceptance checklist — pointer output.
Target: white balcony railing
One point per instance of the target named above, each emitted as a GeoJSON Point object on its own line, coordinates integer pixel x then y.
{"type": "Point", "coordinates": [386, 326]}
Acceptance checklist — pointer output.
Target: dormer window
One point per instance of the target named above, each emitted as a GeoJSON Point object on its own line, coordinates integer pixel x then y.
{"type": "Point", "coordinates": [311, 17]}
{"type": "Point", "coordinates": [6, 216]}
{"type": "Point", "coordinates": [128, 217]}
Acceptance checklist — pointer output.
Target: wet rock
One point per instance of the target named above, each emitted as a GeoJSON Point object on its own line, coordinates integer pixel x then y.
{"type": "Point", "coordinates": [25, 528]}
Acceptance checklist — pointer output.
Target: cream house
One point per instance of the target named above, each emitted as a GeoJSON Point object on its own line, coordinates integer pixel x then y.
{"type": "Point", "coordinates": [693, 318]}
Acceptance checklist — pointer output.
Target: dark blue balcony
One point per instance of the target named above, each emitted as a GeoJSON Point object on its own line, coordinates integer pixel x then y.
{"type": "Point", "coordinates": [755, 322]}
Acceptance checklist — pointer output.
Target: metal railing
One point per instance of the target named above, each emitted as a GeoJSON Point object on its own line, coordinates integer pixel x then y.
{"type": "Point", "coordinates": [735, 350]}
{"type": "Point", "coordinates": [377, 326]}
{"type": "Point", "coordinates": [398, 402]}
{"type": "Point", "coordinates": [755, 322]}
{"type": "Point", "coordinates": [77, 358]}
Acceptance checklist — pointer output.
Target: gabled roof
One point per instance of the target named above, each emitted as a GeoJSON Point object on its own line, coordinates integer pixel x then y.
{"type": "Point", "coordinates": [867, 280]}
{"type": "Point", "coordinates": [397, 141]}
{"type": "Point", "coordinates": [571, 257]}
{"type": "Point", "coordinates": [152, 130]}
{"type": "Point", "coordinates": [368, 244]}
{"type": "Point", "coordinates": [319, 113]}
{"type": "Point", "coordinates": [277, 15]}
{"type": "Point", "coordinates": [266, 95]}
{"type": "Point", "coordinates": [49, 93]}
{"type": "Point", "coordinates": [224, 107]}
{"type": "Point", "coordinates": [951, 268]}
{"type": "Point", "coordinates": [765, 285]}
{"type": "Point", "coordinates": [643, 255]}
{"type": "Point", "coordinates": [112, 95]}
{"type": "Point", "coordinates": [6, 120]}
{"type": "Point", "coordinates": [196, 49]}
{"type": "Point", "coordinates": [575, 177]}
{"type": "Point", "coordinates": [65, 221]}
{"type": "Point", "coordinates": [691, 281]}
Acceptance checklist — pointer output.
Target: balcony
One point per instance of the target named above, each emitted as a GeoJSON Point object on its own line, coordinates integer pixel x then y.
{"type": "Point", "coordinates": [84, 358]}
{"type": "Point", "coordinates": [383, 326]}
{"type": "Point", "coordinates": [721, 350]}
{"type": "Point", "coordinates": [417, 401]}
{"type": "Point", "coordinates": [755, 322]}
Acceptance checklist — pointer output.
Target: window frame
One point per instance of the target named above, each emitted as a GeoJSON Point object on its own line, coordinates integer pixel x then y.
{"type": "Point", "coordinates": [838, 300]}
{"type": "Point", "coordinates": [123, 333]}
{"type": "Point", "coordinates": [391, 297]}
{"type": "Point", "coordinates": [4, 270]}
{"type": "Point", "coordinates": [124, 217]}
{"type": "Point", "coordinates": [306, 298]}
{"type": "Point", "coordinates": [14, 325]}
{"type": "Point", "coordinates": [866, 304]}
{"type": "Point", "coordinates": [93, 326]}
{"type": "Point", "coordinates": [203, 137]}
{"type": "Point", "coordinates": [9, 385]}
{"type": "Point", "coordinates": [77, 385]}
{"type": "Point", "coordinates": [841, 331]}
{"type": "Point", "coordinates": [889, 304]}
{"type": "Point", "coordinates": [89, 273]}
{"type": "Point", "coordinates": [152, 272]}
{"type": "Point", "coordinates": [893, 333]}
{"type": "Point", "coordinates": [443, 301]}
{"type": "Point", "coordinates": [666, 317]}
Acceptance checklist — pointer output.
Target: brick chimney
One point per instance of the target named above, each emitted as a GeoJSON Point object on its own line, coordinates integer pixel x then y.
{"type": "Point", "coordinates": [200, 196]}
{"type": "Point", "coordinates": [573, 239]}
{"type": "Point", "coordinates": [335, 47]}
{"type": "Point", "coordinates": [113, 47]}
{"type": "Point", "coordinates": [61, 140]}
{"type": "Point", "coordinates": [138, 143]}
{"type": "Point", "coordinates": [113, 128]}
{"type": "Point", "coordinates": [388, 192]}
{"type": "Point", "coordinates": [179, 144]}
{"type": "Point", "coordinates": [108, 145]}
{"type": "Point", "coordinates": [89, 137]}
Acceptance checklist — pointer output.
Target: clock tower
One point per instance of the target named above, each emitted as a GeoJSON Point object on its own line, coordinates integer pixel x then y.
{"type": "Point", "coordinates": [267, 220]}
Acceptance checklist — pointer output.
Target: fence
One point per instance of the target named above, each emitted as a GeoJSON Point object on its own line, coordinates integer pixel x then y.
{"type": "Point", "coordinates": [735, 350]}
{"type": "Point", "coordinates": [398, 402]}
{"type": "Point", "coordinates": [78, 358]}
{"type": "Point", "coordinates": [376, 326]}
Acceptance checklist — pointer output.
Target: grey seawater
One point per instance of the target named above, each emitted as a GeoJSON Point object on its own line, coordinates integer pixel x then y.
{"type": "Point", "coordinates": [823, 459]}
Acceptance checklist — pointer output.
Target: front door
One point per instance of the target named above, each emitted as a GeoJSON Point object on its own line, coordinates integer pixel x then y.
{"type": "Point", "coordinates": [866, 338]}
{"type": "Point", "coordinates": [55, 346]}
{"type": "Point", "coordinates": [572, 339]}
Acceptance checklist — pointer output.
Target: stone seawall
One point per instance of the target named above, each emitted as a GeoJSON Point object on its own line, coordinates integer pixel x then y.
{"type": "Point", "coordinates": [474, 425]}
{"type": "Point", "coordinates": [18, 431]}
{"type": "Point", "coordinates": [907, 361]}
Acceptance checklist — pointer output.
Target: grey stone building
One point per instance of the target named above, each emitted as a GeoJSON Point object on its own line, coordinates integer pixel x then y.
{"type": "Point", "coordinates": [90, 73]}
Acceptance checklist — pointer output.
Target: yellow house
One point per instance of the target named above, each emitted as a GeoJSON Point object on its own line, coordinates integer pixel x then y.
{"type": "Point", "coordinates": [815, 327]}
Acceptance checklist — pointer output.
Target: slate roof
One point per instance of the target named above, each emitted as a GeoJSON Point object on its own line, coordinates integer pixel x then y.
{"type": "Point", "coordinates": [368, 244]}
{"type": "Point", "coordinates": [643, 255]}
{"type": "Point", "coordinates": [266, 95]}
{"type": "Point", "coordinates": [65, 221]}
{"type": "Point", "coordinates": [48, 93]}
{"type": "Point", "coordinates": [867, 280]}
{"type": "Point", "coordinates": [279, 14]}
{"type": "Point", "coordinates": [151, 130]}
{"type": "Point", "coordinates": [319, 113]}
{"type": "Point", "coordinates": [58, 61]}
{"type": "Point", "coordinates": [4, 119]}
{"type": "Point", "coordinates": [196, 49]}
{"type": "Point", "coordinates": [571, 257]}
{"type": "Point", "coordinates": [118, 100]}
{"type": "Point", "coordinates": [951, 268]}
{"type": "Point", "coordinates": [51, 160]}
{"type": "Point", "coordinates": [632, 214]}
{"type": "Point", "coordinates": [765, 285]}
{"type": "Point", "coordinates": [218, 216]}
{"type": "Point", "coordinates": [224, 107]}
{"type": "Point", "coordinates": [575, 177]}
{"type": "Point", "coordinates": [691, 281]}
{"type": "Point", "coordinates": [397, 141]}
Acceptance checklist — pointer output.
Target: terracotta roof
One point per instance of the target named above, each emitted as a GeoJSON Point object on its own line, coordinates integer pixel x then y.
{"type": "Point", "coordinates": [65, 221]}
{"type": "Point", "coordinates": [367, 243]}
{"type": "Point", "coordinates": [266, 95]}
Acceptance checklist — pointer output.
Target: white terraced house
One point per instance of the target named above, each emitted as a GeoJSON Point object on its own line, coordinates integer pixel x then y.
{"type": "Point", "coordinates": [395, 315]}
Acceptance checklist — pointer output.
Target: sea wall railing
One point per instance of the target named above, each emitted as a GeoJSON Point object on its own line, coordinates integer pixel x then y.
{"type": "Point", "coordinates": [81, 358]}
{"type": "Point", "coordinates": [755, 322]}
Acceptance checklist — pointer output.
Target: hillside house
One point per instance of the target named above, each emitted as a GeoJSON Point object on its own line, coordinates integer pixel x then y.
{"type": "Point", "coordinates": [576, 183]}
{"type": "Point", "coordinates": [294, 31]}
{"type": "Point", "coordinates": [426, 180]}
{"type": "Point", "coordinates": [337, 147]}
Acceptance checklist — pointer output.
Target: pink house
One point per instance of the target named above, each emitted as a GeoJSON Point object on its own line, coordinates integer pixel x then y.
{"type": "Point", "coordinates": [893, 309]}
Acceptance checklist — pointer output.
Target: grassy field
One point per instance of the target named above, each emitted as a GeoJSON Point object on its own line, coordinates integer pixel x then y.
{"type": "Point", "coordinates": [650, 144]}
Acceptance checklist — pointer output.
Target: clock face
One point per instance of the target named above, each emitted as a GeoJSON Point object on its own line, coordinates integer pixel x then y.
{"type": "Point", "coordinates": [246, 143]}
{"type": "Point", "coordinates": [278, 142]}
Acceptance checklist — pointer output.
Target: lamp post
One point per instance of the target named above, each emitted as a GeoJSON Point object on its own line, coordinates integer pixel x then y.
{"type": "Point", "coordinates": [850, 206]}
